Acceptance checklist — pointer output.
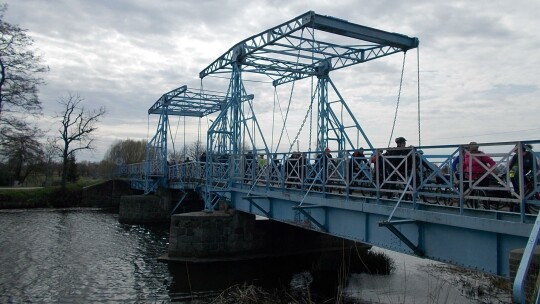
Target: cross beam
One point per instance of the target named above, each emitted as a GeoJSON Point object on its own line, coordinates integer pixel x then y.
{"type": "Point", "coordinates": [184, 102]}
{"type": "Point", "coordinates": [284, 54]}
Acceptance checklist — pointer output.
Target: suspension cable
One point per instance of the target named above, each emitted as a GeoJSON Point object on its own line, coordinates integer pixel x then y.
{"type": "Point", "coordinates": [301, 126]}
{"type": "Point", "coordinates": [185, 138]}
{"type": "Point", "coordinates": [273, 121]}
{"type": "Point", "coordinates": [418, 83]}
{"type": "Point", "coordinates": [311, 96]}
{"type": "Point", "coordinates": [199, 143]}
{"type": "Point", "coordinates": [399, 96]}
{"type": "Point", "coordinates": [284, 128]}
{"type": "Point", "coordinates": [311, 118]}
{"type": "Point", "coordinates": [176, 132]}
{"type": "Point", "coordinates": [147, 127]}
{"type": "Point", "coordinates": [170, 133]}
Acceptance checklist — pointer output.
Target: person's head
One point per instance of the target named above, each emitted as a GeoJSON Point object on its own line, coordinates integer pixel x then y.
{"type": "Point", "coordinates": [473, 147]}
{"type": "Point", "coordinates": [401, 141]}
{"type": "Point", "coordinates": [327, 150]}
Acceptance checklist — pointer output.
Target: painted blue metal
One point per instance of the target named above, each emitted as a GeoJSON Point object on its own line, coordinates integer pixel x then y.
{"type": "Point", "coordinates": [429, 208]}
{"type": "Point", "coordinates": [181, 101]}
{"type": "Point", "coordinates": [528, 254]}
{"type": "Point", "coordinates": [283, 52]}
{"type": "Point", "coordinates": [444, 226]}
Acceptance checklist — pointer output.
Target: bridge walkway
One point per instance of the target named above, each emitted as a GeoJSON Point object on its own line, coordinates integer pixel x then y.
{"type": "Point", "coordinates": [416, 202]}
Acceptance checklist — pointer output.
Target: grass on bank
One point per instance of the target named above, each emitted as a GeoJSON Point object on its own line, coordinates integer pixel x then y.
{"type": "Point", "coordinates": [44, 197]}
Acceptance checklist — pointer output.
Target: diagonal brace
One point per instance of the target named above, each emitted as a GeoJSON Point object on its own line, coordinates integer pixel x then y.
{"type": "Point", "coordinates": [253, 203]}
{"type": "Point", "coordinates": [401, 236]}
{"type": "Point", "coordinates": [184, 194]}
{"type": "Point", "coordinates": [312, 219]}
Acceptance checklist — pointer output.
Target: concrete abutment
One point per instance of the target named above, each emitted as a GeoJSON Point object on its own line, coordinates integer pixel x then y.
{"type": "Point", "coordinates": [232, 235]}
{"type": "Point", "coordinates": [144, 209]}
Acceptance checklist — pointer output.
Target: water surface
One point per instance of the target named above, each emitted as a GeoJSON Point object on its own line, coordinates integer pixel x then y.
{"type": "Point", "coordinates": [87, 256]}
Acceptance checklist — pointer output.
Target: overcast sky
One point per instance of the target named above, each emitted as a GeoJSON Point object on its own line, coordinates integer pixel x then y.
{"type": "Point", "coordinates": [479, 63]}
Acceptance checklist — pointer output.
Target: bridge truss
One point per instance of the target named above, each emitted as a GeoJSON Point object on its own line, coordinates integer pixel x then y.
{"type": "Point", "coordinates": [310, 45]}
{"type": "Point", "coordinates": [181, 101]}
{"type": "Point", "coordinates": [435, 215]}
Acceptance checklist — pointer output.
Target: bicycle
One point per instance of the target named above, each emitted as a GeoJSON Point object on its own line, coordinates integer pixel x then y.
{"type": "Point", "coordinates": [473, 199]}
{"type": "Point", "coordinates": [529, 187]}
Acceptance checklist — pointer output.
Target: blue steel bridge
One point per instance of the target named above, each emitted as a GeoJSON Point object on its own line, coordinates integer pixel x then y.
{"type": "Point", "coordinates": [415, 202]}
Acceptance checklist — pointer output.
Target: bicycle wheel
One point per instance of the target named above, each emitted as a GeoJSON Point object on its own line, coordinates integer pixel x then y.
{"type": "Point", "coordinates": [431, 199]}
{"type": "Point", "coordinates": [474, 201]}
{"type": "Point", "coordinates": [533, 209]}
{"type": "Point", "coordinates": [443, 198]}
{"type": "Point", "coordinates": [495, 205]}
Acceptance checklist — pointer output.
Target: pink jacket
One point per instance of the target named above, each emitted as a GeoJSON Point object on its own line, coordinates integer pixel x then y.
{"type": "Point", "coordinates": [473, 164]}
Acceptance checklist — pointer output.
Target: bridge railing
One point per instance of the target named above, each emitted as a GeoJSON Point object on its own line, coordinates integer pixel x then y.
{"type": "Point", "coordinates": [430, 175]}
{"type": "Point", "coordinates": [135, 171]}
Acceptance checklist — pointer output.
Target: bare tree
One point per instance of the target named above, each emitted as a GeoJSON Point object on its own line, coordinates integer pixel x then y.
{"type": "Point", "coordinates": [50, 153]}
{"type": "Point", "coordinates": [177, 155]}
{"type": "Point", "coordinates": [129, 151]}
{"type": "Point", "coordinates": [22, 150]}
{"type": "Point", "coordinates": [78, 124]}
{"type": "Point", "coordinates": [20, 68]}
{"type": "Point", "coordinates": [195, 150]}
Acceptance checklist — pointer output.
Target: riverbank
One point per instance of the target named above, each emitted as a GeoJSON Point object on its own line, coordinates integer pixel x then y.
{"type": "Point", "coordinates": [45, 197]}
{"type": "Point", "coordinates": [84, 193]}
{"type": "Point", "coordinates": [41, 197]}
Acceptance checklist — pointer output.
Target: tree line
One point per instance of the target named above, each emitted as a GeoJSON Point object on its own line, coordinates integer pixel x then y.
{"type": "Point", "coordinates": [32, 156]}
{"type": "Point", "coordinates": [24, 147]}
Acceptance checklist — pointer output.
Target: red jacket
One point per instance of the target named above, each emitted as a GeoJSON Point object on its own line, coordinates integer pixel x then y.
{"type": "Point", "coordinates": [474, 164]}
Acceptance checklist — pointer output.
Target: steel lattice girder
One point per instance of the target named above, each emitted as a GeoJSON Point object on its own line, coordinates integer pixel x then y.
{"type": "Point", "coordinates": [285, 56]}
{"type": "Point", "coordinates": [184, 102]}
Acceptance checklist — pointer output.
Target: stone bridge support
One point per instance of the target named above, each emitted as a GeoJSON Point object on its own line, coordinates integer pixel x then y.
{"type": "Point", "coordinates": [145, 209]}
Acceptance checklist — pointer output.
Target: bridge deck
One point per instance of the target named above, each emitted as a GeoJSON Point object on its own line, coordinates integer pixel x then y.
{"type": "Point", "coordinates": [415, 203]}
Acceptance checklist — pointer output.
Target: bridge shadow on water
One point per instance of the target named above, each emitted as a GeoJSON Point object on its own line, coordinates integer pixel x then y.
{"type": "Point", "coordinates": [320, 276]}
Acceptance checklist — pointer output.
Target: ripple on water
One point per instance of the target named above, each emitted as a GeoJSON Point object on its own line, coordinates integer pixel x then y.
{"type": "Point", "coordinates": [79, 255]}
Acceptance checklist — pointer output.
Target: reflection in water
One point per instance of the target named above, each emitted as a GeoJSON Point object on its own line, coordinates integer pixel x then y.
{"type": "Point", "coordinates": [85, 255]}
{"type": "Point", "coordinates": [79, 256]}
{"type": "Point", "coordinates": [417, 280]}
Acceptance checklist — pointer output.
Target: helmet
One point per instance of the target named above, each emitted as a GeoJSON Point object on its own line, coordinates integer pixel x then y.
{"type": "Point", "coordinates": [400, 140]}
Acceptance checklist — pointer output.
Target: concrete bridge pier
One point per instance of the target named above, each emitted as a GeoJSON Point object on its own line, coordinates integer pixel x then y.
{"type": "Point", "coordinates": [145, 209]}
{"type": "Point", "coordinates": [233, 235]}
{"type": "Point", "coordinates": [200, 235]}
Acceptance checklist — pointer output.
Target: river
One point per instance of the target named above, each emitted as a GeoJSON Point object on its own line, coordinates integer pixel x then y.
{"type": "Point", "coordinates": [87, 256]}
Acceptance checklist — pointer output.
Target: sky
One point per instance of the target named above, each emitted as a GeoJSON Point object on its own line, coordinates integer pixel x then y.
{"type": "Point", "coordinates": [477, 63]}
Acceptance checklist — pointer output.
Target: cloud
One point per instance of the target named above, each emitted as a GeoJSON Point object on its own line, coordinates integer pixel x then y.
{"type": "Point", "coordinates": [478, 62]}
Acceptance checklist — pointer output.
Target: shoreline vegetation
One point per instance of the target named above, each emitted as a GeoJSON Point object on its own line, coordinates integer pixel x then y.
{"type": "Point", "coordinates": [42, 197]}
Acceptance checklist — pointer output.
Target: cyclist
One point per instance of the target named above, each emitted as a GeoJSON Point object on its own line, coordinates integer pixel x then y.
{"type": "Point", "coordinates": [404, 168]}
{"type": "Point", "coordinates": [357, 164]}
{"type": "Point", "coordinates": [528, 165]}
{"type": "Point", "coordinates": [474, 164]}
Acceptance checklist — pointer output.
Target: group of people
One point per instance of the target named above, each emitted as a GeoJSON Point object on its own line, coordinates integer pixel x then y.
{"type": "Point", "coordinates": [394, 166]}
{"type": "Point", "coordinates": [477, 164]}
